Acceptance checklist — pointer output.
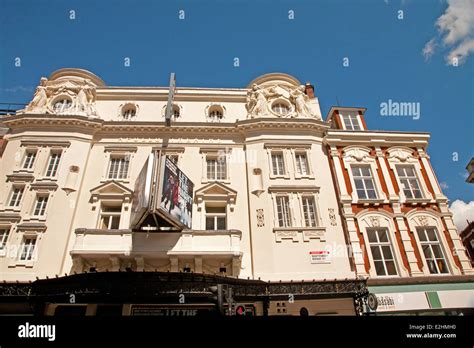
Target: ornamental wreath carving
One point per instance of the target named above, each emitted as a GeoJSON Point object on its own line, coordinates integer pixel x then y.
{"type": "Point", "coordinates": [279, 100]}
{"type": "Point", "coordinates": [332, 217]}
{"type": "Point", "coordinates": [63, 97]}
{"type": "Point", "coordinates": [260, 218]}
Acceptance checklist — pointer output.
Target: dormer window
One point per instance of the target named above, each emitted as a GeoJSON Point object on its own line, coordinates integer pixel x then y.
{"type": "Point", "coordinates": [215, 113]}
{"type": "Point", "coordinates": [129, 113]}
{"type": "Point", "coordinates": [351, 121]}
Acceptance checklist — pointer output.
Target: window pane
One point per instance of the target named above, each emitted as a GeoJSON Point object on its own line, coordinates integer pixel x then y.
{"type": "Point", "coordinates": [372, 236]}
{"type": "Point", "coordinates": [379, 268]}
{"type": "Point", "coordinates": [432, 234]}
{"type": "Point", "coordinates": [209, 223]}
{"type": "Point", "coordinates": [442, 266]}
{"type": "Point", "coordinates": [115, 222]}
{"type": "Point", "coordinates": [371, 194]}
{"type": "Point", "coordinates": [369, 184]}
{"type": "Point", "coordinates": [376, 253]}
{"type": "Point", "coordinates": [104, 222]}
{"type": "Point", "coordinates": [362, 194]}
{"type": "Point", "coordinates": [432, 266]}
{"type": "Point", "coordinates": [365, 171]}
{"type": "Point", "coordinates": [427, 252]}
{"type": "Point", "coordinates": [437, 251]}
{"type": "Point", "coordinates": [387, 252]}
{"type": "Point", "coordinates": [221, 223]}
{"type": "Point", "coordinates": [421, 235]}
{"type": "Point", "coordinates": [383, 236]}
{"type": "Point", "coordinates": [356, 171]}
{"type": "Point", "coordinates": [391, 269]}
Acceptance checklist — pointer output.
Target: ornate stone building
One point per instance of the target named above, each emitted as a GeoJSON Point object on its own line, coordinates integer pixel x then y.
{"type": "Point", "coordinates": [396, 217]}
{"type": "Point", "coordinates": [277, 197]}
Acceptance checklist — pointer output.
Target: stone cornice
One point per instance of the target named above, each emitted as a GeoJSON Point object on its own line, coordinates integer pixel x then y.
{"type": "Point", "coordinates": [9, 217]}
{"type": "Point", "coordinates": [49, 186]}
{"type": "Point", "coordinates": [32, 226]}
{"type": "Point", "coordinates": [20, 177]}
{"type": "Point", "coordinates": [160, 94]}
{"type": "Point", "coordinates": [38, 121]}
{"type": "Point", "coordinates": [45, 143]}
{"type": "Point", "coordinates": [376, 138]}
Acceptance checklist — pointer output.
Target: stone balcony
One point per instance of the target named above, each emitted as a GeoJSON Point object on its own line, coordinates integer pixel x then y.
{"type": "Point", "coordinates": [123, 249]}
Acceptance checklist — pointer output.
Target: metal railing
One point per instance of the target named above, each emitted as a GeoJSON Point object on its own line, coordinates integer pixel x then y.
{"type": "Point", "coordinates": [10, 108]}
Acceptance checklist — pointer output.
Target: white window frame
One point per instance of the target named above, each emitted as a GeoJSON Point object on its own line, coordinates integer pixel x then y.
{"type": "Point", "coordinates": [215, 216]}
{"type": "Point", "coordinates": [360, 155]}
{"type": "Point", "coordinates": [43, 207]}
{"type": "Point", "coordinates": [31, 164]}
{"type": "Point", "coordinates": [430, 243]}
{"type": "Point", "coordinates": [124, 160]}
{"type": "Point", "coordinates": [381, 220]}
{"type": "Point", "coordinates": [280, 169]}
{"type": "Point", "coordinates": [214, 154]}
{"type": "Point", "coordinates": [286, 211]}
{"type": "Point", "coordinates": [363, 180]}
{"type": "Point", "coordinates": [354, 119]}
{"type": "Point", "coordinates": [431, 219]}
{"type": "Point", "coordinates": [5, 232]}
{"type": "Point", "coordinates": [404, 157]}
{"type": "Point", "coordinates": [110, 215]}
{"type": "Point", "coordinates": [306, 152]}
{"type": "Point", "coordinates": [18, 201]}
{"type": "Point", "coordinates": [316, 222]}
{"type": "Point", "coordinates": [407, 178]}
{"type": "Point", "coordinates": [220, 166]}
{"type": "Point", "coordinates": [55, 165]}
{"type": "Point", "coordinates": [379, 245]}
{"type": "Point", "coordinates": [32, 252]}
{"type": "Point", "coordinates": [116, 151]}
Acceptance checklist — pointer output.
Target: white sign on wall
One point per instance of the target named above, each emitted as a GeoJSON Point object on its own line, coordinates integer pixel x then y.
{"type": "Point", "coordinates": [321, 256]}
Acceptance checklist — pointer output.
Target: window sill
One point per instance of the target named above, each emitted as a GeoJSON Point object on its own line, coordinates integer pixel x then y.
{"type": "Point", "coordinates": [285, 177]}
{"type": "Point", "coordinates": [292, 233]}
{"type": "Point", "coordinates": [11, 209]}
{"type": "Point", "coordinates": [47, 178]}
{"type": "Point", "coordinates": [34, 218]}
{"type": "Point", "coordinates": [123, 181]}
{"type": "Point", "coordinates": [367, 202]}
{"type": "Point", "coordinates": [416, 201]}
{"type": "Point", "coordinates": [24, 171]}
{"type": "Point", "coordinates": [17, 263]}
{"type": "Point", "coordinates": [309, 176]}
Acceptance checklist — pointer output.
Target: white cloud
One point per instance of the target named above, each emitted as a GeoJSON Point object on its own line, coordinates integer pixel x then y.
{"type": "Point", "coordinates": [462, 211]}
{"type": "Point", "coordinates": [456, 32]}
{"type": "Point", "coordinates": [429, 49]}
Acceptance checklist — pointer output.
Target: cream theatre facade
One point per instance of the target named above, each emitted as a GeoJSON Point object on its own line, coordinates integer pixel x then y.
{"type": "Point", "coordinates": [265, 215]}
{"type": "Point", "coordinates": [264, 203]}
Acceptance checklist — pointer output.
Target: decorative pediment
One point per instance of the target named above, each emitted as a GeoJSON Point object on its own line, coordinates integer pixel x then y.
{"type": "Point", "coordinates": [216, 191]}
{"type": "Point", "coordinates": [359, 153]}
{"type": "Point", "coordinates": [72, 93]}
{"type": "Point", "coordinates": [279, 95]}
{"type": "Point", "coordinates": [111, 190]}
{"type": "Point", "coordinates": [400, 153]}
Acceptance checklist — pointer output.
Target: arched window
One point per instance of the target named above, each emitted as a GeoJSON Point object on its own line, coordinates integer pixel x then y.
{"type": "Point", "coordinates": [62, 104]}
{"type": "Point", "coordinates": [280, 108]}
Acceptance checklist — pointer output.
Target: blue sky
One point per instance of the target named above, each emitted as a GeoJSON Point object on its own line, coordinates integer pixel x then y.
{"type": "Point", "coordinates": [385, 56]}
